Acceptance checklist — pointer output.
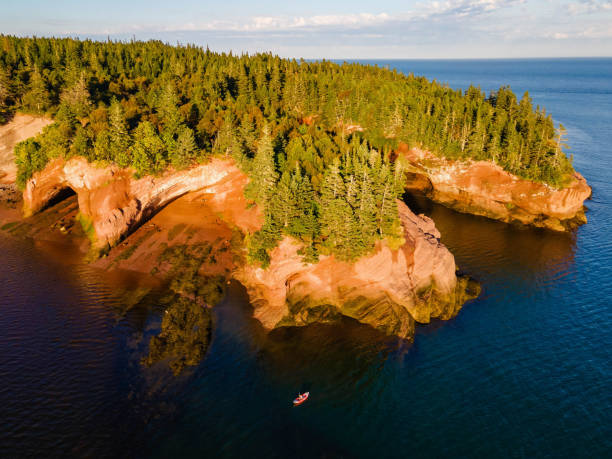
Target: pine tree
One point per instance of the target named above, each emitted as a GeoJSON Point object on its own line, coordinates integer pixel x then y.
{"type": "Point", "coordinates": [248, 134]}
{"type": "Point", "coordinates": [283, 205]}
{"type": "Point", "coordinates": [333, 185]}
{"type": "Point", "coordinates": [77, 97]}
{"type": "Point", "coordinates": [119, 137]}
{"type": "Point", "coordinates": [148, 151]}
{"type": "Point", "coordinates": [37, 97]}
{"type": "Point", "coordinates": [6, 95]}
{"type": "Point", "coordinates": [305, 222]}
{"type": "Point", "coordinates": [185, 148]}
{"type": "Point", "coordinates": [102, 146]}
{"type": "Point", "coordinates": [169, 111]}
{"type": "Point", "coordinates": [366, 213]}
{"type": "Point", "coordinates": [263, 175]}
{"type": "Point", "coordinates": [81, 144]}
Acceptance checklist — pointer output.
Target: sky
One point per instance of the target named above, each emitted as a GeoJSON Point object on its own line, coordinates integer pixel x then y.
{"type": "Point", "coordinates": [342, 29]}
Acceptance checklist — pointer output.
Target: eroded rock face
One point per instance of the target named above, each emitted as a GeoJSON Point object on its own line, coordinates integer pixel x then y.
{"type": "Point", "coordinates": [113, 202]}
{"type": "Point", "coordinates": [389, 290]}
{"type": "Point", "coordinates": [484, 188]}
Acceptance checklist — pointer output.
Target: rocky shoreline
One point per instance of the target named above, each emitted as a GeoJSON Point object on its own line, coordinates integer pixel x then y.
{"type": "Point", "coordinates": [389, 290]}
{"type": "Point", "coordinates": [135, 222]}
{"type": "Point", "coordinates": [145, 224]}
{"type": "Point", "coordinates": [484, 188]}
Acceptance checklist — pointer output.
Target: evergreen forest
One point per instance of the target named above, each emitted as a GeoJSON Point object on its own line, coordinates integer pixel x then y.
{"type": "Point", "coordinates": [316, 138]}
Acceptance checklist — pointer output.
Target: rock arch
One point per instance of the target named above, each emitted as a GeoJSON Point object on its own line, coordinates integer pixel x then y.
{"type": "Point", "coordinates": [113, 202]}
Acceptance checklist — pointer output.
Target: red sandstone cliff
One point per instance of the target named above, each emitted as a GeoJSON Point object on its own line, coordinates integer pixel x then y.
{"type": "Point", "coordinates": [484, 188]}
{"type": "Point", "coordinates": [113, 201]}
{"type": "Point", "coordinates": [388, 289]}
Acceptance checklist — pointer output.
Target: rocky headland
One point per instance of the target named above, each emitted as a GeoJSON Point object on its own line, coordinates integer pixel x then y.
{"type": "Point", "coordinates": [389, 290]}
{"type": "Point", "coordinates": [484, 188]}
{"type": "Point", "coordinates": [201, 213]}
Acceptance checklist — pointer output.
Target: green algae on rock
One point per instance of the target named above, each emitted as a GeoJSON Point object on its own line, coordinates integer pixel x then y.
{"type": "Point", "coordinates": [184, 337]}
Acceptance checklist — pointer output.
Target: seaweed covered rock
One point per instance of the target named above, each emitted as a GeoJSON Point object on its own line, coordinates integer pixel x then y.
{"type": "Point", "coordinates": [184, 337]}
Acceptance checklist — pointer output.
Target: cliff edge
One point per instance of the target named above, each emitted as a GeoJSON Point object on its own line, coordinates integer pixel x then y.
{"type": "Point", "coordinates": [387, 289]}
{"type": "Point", "coordinates": [484, 188]}
{"type": "Point", "coordinates": [112, 202]}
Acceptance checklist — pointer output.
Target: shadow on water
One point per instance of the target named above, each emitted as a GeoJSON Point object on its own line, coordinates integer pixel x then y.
{"type": "Point", "coordinates": [483, 247]}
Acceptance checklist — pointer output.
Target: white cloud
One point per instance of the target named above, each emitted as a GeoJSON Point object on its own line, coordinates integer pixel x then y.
{"type": "Point", "coordinates": [443, 28]}
{"type": "Point", "coordinates": [589, 6]}
{"type": "Point", "coordinates": [436, 11]}
{"type": "Point", "coordinates": [279, 23]}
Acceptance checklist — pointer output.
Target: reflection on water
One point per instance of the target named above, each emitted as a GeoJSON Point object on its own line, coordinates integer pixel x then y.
{"type": "Point", "coordinates": [184, 336]}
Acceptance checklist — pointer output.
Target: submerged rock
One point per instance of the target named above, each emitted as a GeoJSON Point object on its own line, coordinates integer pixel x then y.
{"type": "Point", "coordinates": [184, 337]}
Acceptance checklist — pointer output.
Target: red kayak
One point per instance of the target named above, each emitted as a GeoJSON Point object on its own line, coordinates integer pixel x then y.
{"type": "Point", "coordinates": [301, 398]}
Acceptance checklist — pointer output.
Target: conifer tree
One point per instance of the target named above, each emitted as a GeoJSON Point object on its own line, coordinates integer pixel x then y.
{"type": "Point", "coordinates": [81, 144]}
{"type": "Point", "coordinates": [263, 172]}
{"type": "Point", "coordinates": [283, 205]}
{"type": "Point", "coordinates": [6, 94]}
{"type": "Point", "coordinates": [305, 223]}
{"type": "Point", "coordinates": [185, 148]}
{"type": "Point", "coordinates": [77, 96]}
{"type": "Point", "coordinates": [37, 97]}
{"type": "Point", "coordinates": [169, 111]}
{"type": "Point", "coordinates": [148, 150]}
{"type": "Point", "coordinates": [102, 146]}
{"type": "Point", "coordinates": [366, 214]}
{"type": "Point", "coordinates": [119, 137]}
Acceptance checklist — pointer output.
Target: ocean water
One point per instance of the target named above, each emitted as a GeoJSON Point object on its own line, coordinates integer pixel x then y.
{"type": "Point", "coordinates": [523, 371]}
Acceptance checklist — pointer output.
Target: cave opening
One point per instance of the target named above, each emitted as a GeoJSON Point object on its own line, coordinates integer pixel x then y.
{"type": "Point", "coordinates": [62, 195]}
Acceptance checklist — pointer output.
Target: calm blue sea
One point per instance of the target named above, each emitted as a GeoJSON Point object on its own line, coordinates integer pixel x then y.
{"type": "Point", "coordinates": [524, 371]}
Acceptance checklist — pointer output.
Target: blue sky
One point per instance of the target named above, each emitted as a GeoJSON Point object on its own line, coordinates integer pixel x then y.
{"type": "Point", "coordinates": [334, 29]}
